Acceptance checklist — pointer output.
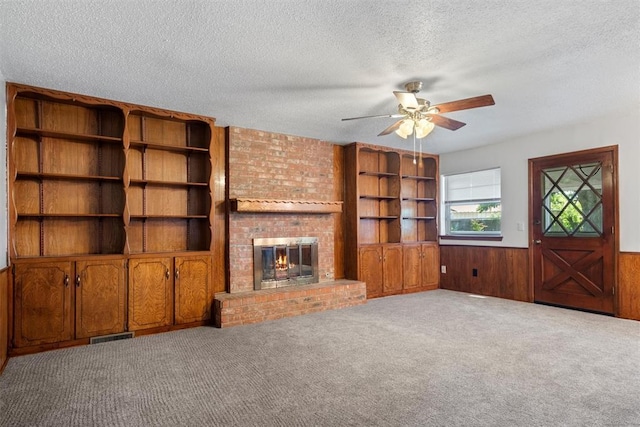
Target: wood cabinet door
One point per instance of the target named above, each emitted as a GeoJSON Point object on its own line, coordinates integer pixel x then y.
{"type": "Point", "coordinates": [371, 269]}
{"type": "Point", "coordinates": [412, 266]}
{"type": "Point", "coordinates": [193, 296]}
{"type": "Point", "coordinates": [430, 265]}
{"type": "Point", "coordinates": [150, 293]}
{"type": "Point", "coordinates": [100, 298]}
{"type": "Point", "coordinates": [42, 306]}
{"type": "Point", "coordinates": [392, 268]}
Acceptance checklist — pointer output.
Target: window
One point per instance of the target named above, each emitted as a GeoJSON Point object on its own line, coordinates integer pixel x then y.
{"type": "Point", "coordinates": [472, 204]}
{"type": "Point", "coordinates": [572, 200]}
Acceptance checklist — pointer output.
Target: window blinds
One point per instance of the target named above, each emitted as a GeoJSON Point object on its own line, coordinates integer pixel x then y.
{"type": "Point", "coordinates": [473, 186]}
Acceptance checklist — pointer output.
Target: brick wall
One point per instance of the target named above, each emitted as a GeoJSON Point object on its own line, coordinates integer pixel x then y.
{"type": "Point", "coordinates": [275, 166]}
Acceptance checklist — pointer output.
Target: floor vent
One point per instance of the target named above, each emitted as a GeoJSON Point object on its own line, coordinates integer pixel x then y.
{"type": "Point", "coordinates": [114, 337]}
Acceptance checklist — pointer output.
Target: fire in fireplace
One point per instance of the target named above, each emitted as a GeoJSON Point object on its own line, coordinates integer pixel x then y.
{"type": "Point", "coordinates": [279, 262]}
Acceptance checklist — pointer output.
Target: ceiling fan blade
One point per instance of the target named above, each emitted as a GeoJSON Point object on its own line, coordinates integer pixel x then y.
{"type": "Point", "coordinates": [465, 104]}
{"type": "Point", "coordinates": [445, 122]}
{"type": "Point", "coordinates": [391, 128]}
{"type": "Point", "coordinates": [395, 116]}
{"type": "Point", "coordinates": [407, 100]}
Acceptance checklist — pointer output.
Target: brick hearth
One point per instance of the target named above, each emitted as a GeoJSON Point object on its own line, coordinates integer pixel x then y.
{"type": "Point", "coordinates": [269, 304]}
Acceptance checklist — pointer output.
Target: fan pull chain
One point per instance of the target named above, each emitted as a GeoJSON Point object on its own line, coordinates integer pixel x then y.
{"type": "Point", "coordinates": [414, 147]}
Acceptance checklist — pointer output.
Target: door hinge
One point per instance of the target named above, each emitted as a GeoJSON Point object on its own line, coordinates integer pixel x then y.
{"type": "Point", "coordinates": [613, 230]}
{"type": "Point", "coordinates": [613, 290]}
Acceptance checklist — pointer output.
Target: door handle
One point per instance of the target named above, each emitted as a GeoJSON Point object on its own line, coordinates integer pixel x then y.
{"type": "Point", "coordinates": [537, 242]}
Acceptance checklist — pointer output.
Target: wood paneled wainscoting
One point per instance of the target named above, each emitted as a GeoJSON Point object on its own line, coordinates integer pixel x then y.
{"type": "Point", "coordinates": [504, 273]}
{"type": "Point", "coordinates": [4, 316]}
{"type": "Point", "coordinates": [490, 271]}
{"type": "Point", "coordinates": [629, 285]}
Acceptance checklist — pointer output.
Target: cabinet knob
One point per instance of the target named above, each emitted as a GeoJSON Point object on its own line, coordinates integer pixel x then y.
{"type": "Point", "coordinates": [78, 281]}
{"type": "Point", "coordinates": [166, 274]}
{"type": "Point", "coordinates": [66, 280]}
{"type": "Point", "coordinates": [177, 274]}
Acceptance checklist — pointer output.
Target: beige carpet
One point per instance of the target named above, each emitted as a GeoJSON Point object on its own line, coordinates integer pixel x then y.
{"type": "Point", "coordinates": [438, 358]}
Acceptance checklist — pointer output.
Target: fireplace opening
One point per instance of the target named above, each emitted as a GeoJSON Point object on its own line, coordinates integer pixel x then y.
{"type": "Point", "coordinates": [280, 262]}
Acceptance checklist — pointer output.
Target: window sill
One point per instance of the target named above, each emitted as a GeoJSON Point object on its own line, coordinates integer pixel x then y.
{"type": "Point", "coordinates": [477, 238]}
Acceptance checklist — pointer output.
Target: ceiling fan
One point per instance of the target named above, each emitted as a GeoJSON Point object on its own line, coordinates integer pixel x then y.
{"type": "Point", "coordinates": [418, 114]}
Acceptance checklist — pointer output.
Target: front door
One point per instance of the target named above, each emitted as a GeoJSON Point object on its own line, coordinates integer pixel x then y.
{"type": "Point", "coordinates": [573, 212]}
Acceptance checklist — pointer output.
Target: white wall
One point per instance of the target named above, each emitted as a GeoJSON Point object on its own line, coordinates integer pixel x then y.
{"type": "Point", "coordinates": [4, 248]}
{"type": "Point", "coordinates": [512, 157]}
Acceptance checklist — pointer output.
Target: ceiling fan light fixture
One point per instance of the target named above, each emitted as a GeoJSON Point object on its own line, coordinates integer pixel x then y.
{"type": "Point", "coordinates": [406, 128]}
{"type": "Point", "coordinates": [423, 128]}
{"type": "Point", "coordinates": [418, 117]}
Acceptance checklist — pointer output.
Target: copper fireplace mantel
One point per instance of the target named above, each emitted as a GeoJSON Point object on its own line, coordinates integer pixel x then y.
{"type": "Point", "coordinates": [284, 206]}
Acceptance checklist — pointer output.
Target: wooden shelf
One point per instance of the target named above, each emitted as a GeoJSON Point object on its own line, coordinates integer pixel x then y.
{"type": "Point", "coordinates": [67, 135]}
{"type": "Point", "coordinates": [378, 197]}
{"type": "Point", "coordinates": [169, 216]}
{"type": "Point", "coordinates": [419, 199]}
{"type": "Point", "coordinates": [284, 206]}
{"type": "Point", "coordinates": [419, 178]}
{"type": "Point", "coordinates": [374, 173]}
{"type": "Point", "coordinates": [419, 217]}
{"type": "Point", "coordinates": [61, 176]}
{"type": "Point", "coordinates": [69, 215]}
{"type": "Point", "coordinates": [154, 146]}
{"type": "Point", "coordinates": [144, 182]}
{"type": "Point", "coordinates": [379, 217]}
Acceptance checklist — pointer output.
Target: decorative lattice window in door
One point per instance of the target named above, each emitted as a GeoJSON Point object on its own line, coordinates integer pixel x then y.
{"type": "Point", "coordinates": [572, 200]}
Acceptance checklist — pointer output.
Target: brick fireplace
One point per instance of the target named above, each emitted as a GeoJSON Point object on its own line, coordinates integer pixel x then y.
{"type": "Point", "coordinates": [265, 165]}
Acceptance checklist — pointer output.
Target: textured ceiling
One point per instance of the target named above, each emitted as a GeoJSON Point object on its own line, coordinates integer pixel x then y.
{"type": "Point", "coordinates": [298, 67]}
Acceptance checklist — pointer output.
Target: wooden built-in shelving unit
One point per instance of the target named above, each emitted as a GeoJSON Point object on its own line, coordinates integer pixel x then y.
{"type": "Point", "coordinates": [391, 219]}
{"type": "Point", "coordinates": [125, 188]}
